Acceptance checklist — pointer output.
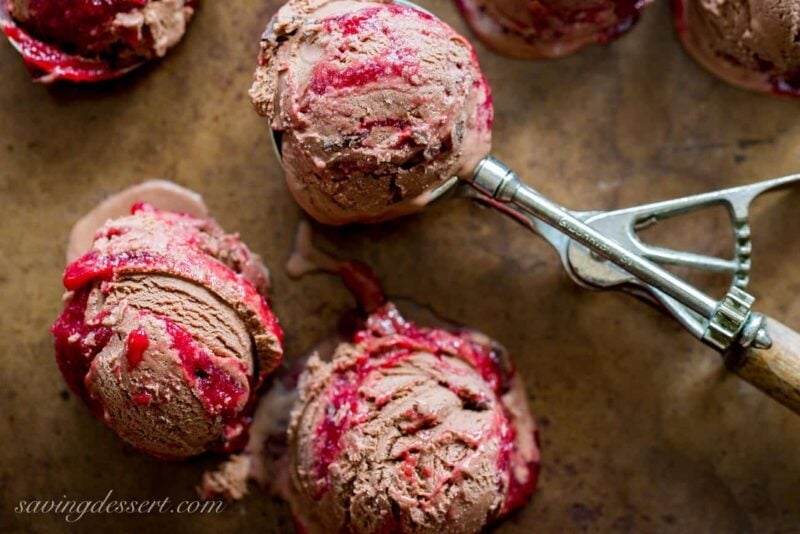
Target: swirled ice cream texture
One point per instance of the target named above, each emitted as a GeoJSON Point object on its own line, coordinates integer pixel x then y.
{"type": "Point", "coordinates": [166, 332]}
{"type": "Point", "coordinates": [376, 105]}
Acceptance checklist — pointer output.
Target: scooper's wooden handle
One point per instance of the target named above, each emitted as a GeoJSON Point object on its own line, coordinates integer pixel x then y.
{"type": "Point", "coordinates": [775, 371]}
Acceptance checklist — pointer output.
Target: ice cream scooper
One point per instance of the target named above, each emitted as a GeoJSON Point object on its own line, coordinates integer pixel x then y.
{"type": "Point", "coordinates": [601, 250]}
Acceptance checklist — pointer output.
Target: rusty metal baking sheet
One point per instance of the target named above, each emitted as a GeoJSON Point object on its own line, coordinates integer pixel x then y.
{"type": "Point", "coordinates": [642, 430]}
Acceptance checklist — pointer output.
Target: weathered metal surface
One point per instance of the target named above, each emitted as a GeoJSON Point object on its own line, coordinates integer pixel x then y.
{"type": "Point", "coordinates": [642, 430]}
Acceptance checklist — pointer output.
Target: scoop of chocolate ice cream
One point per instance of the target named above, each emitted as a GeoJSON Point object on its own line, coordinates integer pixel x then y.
{"type": "Point", "coordinates": [410, 429]}
{"type": "Point", "coordinates": [166, 332]}
{"type": "Point", "coordinates": [754, 44]}
{"type": "Point", "coordinates": [533, 29]}
{"type": "Point", "coordinates": [376, 105]}
{"type": "Point", "coordinates": [90, 40]}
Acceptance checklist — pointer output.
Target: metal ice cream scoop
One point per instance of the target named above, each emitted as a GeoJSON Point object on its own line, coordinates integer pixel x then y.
{"type": "Point", "coordinates": [600, 250]}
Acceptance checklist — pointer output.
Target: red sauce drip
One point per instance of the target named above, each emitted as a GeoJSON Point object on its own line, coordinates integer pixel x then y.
{"type": "Point", "coordinates": [45, 59]}
{"type": "Point", "coordinates": [77, 343]}
{"type": "Point", "coordinates": [74, 39]}
{"type": "Point", "coordinates": [142, 398]}
{"type": "Point", "coordinates": [351, 23]}
{"type": "Point", "coordinates": [486, 109]}
{"type": "Point", "coordinates": [96, 265]}
{"type": "Point", "coordinates": [142, 207]}
{"type": "Point", "coordinates": [397, 63]}
{"type": "Point", "coordinates": [519, 491]}
{"type": "Point", "coordinates": [359, 279]}
{"type": "Point", "coordinates": [135, 345]}
{"type": "Point", "coordinates": [220, 393]}
{"type": "Point", "coordinates": [679, 15]}
{"type": "Point", "coordinates": [409, 466]}
{"type": "Point", "coordinates": [628, 12]}
{"type": "Point", "coordinates": [330, 431]}
{"type": "Point", "coordinates": [85, 25]}
{"type": "Point", "coordinates": [400, 61]}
